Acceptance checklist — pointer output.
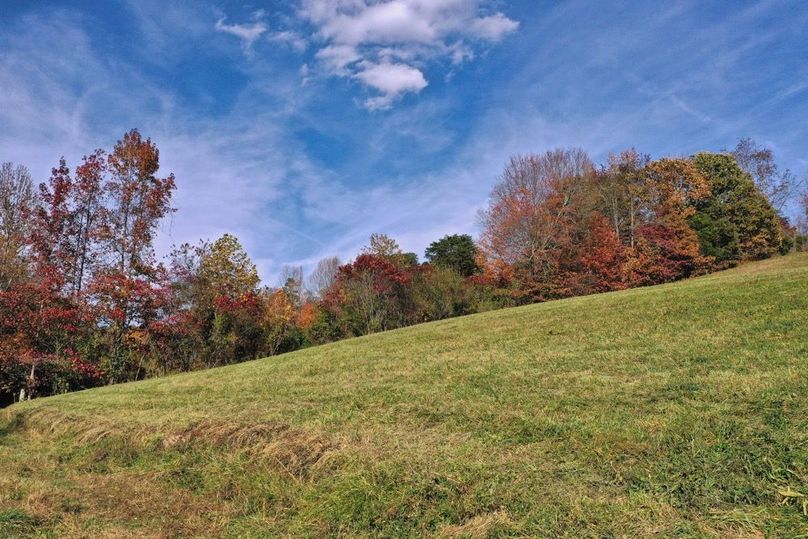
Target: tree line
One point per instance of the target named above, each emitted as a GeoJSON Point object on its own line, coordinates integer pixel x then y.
{"type": "Point", "coordinates": [85, 301]}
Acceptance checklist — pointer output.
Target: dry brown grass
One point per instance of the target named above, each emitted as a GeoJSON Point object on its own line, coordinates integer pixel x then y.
{"type": "Point", "coordinates": [478, 527]}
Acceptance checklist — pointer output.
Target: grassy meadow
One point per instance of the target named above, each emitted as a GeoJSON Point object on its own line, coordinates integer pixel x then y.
{"type": "Point", "coordinates": [678, 410]}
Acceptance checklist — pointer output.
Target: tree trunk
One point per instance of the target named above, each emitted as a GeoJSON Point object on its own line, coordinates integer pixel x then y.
{"type": "Point", "coordinates": [31, 380]}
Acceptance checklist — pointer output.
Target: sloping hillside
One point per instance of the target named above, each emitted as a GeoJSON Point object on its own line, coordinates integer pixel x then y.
{"type": "Point", "coordinates": [677, 410]}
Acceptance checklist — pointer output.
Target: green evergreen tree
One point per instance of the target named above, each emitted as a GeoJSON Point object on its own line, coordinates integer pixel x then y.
{"type": "Point", "coordinates": [736, 222]}
{"type": "Point", "coordinates": [456, 251]}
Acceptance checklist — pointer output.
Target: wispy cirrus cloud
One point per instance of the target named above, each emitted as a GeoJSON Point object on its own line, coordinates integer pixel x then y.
{"type": "Point", "coordinates": [229, 169]}
{"type": "Point", "coordinates": [248, 33]}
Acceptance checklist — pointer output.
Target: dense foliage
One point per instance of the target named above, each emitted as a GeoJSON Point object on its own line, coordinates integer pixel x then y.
{"type": "Point", "coordinates": [455, 252]}
{"type": "Point", "coordinates": [84, 300]}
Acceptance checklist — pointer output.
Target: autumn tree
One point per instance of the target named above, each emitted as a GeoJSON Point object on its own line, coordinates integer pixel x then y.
{"type": "Point", "coordinates": [369, 295]}
{"type": "Point", "coordinates": [41, 335]}
{"type": "Point", "coordinates": [227, 269]}
{"type": "Point", "coordinates": [16, 200]}
{"type": "Point", "coordinates": [383, 246]}
{"type": "Point", "coordinates": [216, 286]}
{"type": "Point", "coordinates": [139, 199]}
{"type": "Point", "coordinates": [531, 213]}
{"type": "Point", "coordinates": [185, 265]}
{"type": "Point", "coordinates": [599, 260]}
{"type": "Point", "coordinates": [56, 247]}
{"type": "Point", "coordinates": [279, 321]}
{"type": "Point", "coordinates": [87, 215]}
{"type": "Point", "coordinates": [67, 221]}
{"type": "Point", "coordinates": [177, 339]}
{"type": "Point", "coordinates": [51, 225]}
{"type": "Point", "coordinates": [618, 193]}
{"type": "Point", "coordinates": [218, 314]}
{"type": "Point", "coordinates": [228, 302]}
{"type": "Point", "coordinates": [667, 248]}
{"type": "Point", "coordinates": [128, 286]}
{"type": "Point", "coordinates": [456, 251]}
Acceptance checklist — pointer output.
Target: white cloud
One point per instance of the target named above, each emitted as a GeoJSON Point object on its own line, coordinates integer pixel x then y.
{"type": "Point", "coordinates": [391, 80]}
{"type": "Point", "coordinates": [359, 22]}
{"type": "Point", "coordinates": [386, 44]}
{"type": "Point", "coordinates": [295, 40]}
{"type": "Point", "coordinates": [251, 32]}
{"type": "Point", "coordinates": [389, 22]}
{"type": "Point", "coordinates": [338, 57]}
{"type": "Point", "coordinates": [248, 33]}
{"type": "Point", "coordinates": [493, 27]}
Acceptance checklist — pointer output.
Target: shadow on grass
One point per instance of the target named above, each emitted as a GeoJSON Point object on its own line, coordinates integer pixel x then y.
{"type": "Point", "coordinates": [16, 523]}
{"type": "Point", "coordinates": [10, 425]}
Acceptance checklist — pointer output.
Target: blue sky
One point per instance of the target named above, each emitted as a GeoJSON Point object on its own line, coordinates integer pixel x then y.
{"type": "Point", "coordinates": [302, 127]}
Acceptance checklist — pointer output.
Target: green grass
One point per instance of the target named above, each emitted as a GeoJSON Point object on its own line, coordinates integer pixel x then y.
{"type": "Point", "coordinates": [673, 411]}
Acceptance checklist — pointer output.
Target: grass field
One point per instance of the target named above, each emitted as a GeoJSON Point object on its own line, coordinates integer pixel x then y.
{"type": "Point", "coordinates": [674, 411]}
